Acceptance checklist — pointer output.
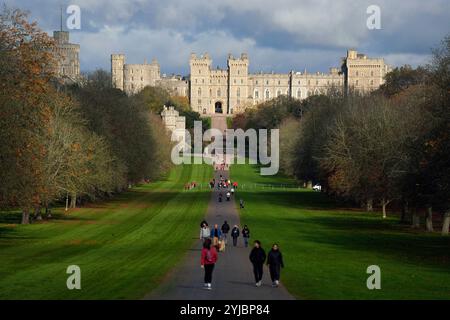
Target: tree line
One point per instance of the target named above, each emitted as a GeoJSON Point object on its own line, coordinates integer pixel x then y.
{"type": "Point", "coordinates": [77, 142]}
{"type": "Point", "coordinates": [387, 147]}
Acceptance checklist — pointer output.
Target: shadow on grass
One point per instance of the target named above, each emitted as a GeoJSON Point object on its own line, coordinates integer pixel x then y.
{"type": "Point", "coordinates": [384, 237]}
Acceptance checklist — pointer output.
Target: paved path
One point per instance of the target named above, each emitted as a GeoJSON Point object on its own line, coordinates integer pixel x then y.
{"type": "Point", "coordinates": [233, 273]}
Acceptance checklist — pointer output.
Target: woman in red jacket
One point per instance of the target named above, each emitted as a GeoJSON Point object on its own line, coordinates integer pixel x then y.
{"type": "Point", "coordinates": [208, 260]}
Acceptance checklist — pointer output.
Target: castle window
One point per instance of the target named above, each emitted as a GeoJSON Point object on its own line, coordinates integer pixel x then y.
{"type": "Point", "coordinates": [199, 71]}
{"type": "Point", "coordinates": [371, 82]}
{"type": "Point", "coordinates": [256, 82]}
{"type": "Point", "coordinates": [203, 80]}
{"type": "Point", "coordinates": [278, 92]}
{"type": "Point", "coordinates": [256, 94]}
{"type": "Point", "coordinates": [199, 101]}
{"type": "Point", "coordinates": [371, 73]}
{"type": "Point", "coordinates": [242, 81]}
{"type": "Point", "coordinates": [309, 82]}
{"type": "Point", "coordinates": [279, 82]}
{"type": "Point", "coordinates": [238, 72]}
{"type": "Point", "coordinates": [267, 82]}
{"type": "Point", "coordinates": [357, 73]}
{"type": "Point", "coordinates": [238, 92]}
{"type": "Point", "coordinates": [234, 81]}
{"type": "Point", "coordinates": [267, 94]}
{"type": "Point", "coordinates": [218, 92]}
{"type": "Point", "coordinates": [298, 81]}
{"type": "Point", "coordinates": [199, 91]}
{"type": "Point", "coordinates": [317, 82]}
{"type": "Point", "coordinates": [357, 82]}
{"type": "Point", "coordinates": [299, 93]}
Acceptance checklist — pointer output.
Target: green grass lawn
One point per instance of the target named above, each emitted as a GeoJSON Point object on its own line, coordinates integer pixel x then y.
{"type": "Point", "coordinates": [124, 247]}
{"type": "Point", "coordinates": [327, 250]}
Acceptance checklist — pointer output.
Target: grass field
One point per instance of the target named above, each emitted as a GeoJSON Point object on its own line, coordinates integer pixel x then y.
{"type": "Point", "coordinates": [124, 247]}
{"type": "Point", "coordinates": [327, 250]}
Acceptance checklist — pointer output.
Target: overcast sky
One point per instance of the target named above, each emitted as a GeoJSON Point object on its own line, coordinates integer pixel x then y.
{"type": "Point", "coordinates": [279, 35]}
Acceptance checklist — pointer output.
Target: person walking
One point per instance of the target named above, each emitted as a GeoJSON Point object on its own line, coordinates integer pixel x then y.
{"type": "Point", "coordinates": [257, 258]}
{"type": "Point", "coordinates": [228, 196]}
{"type": "Point", "coordinates": [216, 234]}
{"type": "Point", "coordinates": [225, 229]}
{"type": "Point", "coordinates": [203, 222]}
{"type": "Point", "coordinates": [235, 235]}
{"type": "Point", "coordinates": [241, 203]}
{"type": "Point", "coordinates": [275, 263]}
{"type": "Point", "coordinates": [208, 260]}
{"type": "Point", "coordinates": [205, 233]}
{"type": "Point", "coordinates": [246, 235]}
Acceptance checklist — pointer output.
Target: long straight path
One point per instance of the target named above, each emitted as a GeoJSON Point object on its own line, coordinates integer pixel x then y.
{"type": "Point", "coordinates": [233, 273]}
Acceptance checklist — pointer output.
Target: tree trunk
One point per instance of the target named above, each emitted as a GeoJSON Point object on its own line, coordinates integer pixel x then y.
{"type": "Point", "coordinates": [48, 212]}
{"type": "Point", "coordinates": [429, 220]}
{"type": "Point", "coordinates": [415, 219]}
{"type": "Point", "coordinates": [369, 205]}
{"type": "Point", "coordinates": [25, 216]}
{"type": "Point", "coordinates": [384, 203]}
{"type": "Point", "coordinates": [37, 213]}
{"type": "Point", "coordinates": [446, 223]}
{"type": "Point", "coordinates": [73, 200]}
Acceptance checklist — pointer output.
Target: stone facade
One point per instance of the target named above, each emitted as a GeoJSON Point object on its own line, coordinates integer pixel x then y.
{"type": "Point", "coordinates": [234, 89]}
{"type": "Point", "coordinates": [362, 73]}
{"type": "Point", "coordinates": [174, 123]}
{"type": "Point", "coordinates": [132, 78]}
{"type": "Point", "coordinates": [67, 57]}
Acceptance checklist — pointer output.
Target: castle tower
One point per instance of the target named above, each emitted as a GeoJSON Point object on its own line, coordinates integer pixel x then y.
{"type": "Point", "coordinates": [200, 83]}
{"type": "Point", "coordinates": [67, 57]}
{"type": "Point", "coordinates": [117, 66]}
{"type": "Point", "coordinates": [238, 82]}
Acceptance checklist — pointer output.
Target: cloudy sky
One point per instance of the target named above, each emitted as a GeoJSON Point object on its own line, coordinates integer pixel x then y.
{"type": "Point", "coordinates": [279, 35]}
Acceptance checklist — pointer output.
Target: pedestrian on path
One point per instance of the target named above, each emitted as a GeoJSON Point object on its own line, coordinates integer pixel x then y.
{"type": "Point", "coordinates": [235, 235]}
{"type": "Point", "coordinates": [246, 235]}
{"type": "Point", "coordinates": [275, 263]}
{"type": "Point", "coordinates": [203, 222]}
{"type": "Point", "coordinates": [257, 258]}
{"type": "Point", "coordinates": [208, 261]}
{"type": "Point", "coordinates": [205, 233]}
{"type": "Point", "coordinates": [228, 196]}
{"type": "Point", "coordinates": [241, 203]}
{"type": "Point", "coordinates": [216, 234]}
{"type": "Point", "coordinates": [225, 229]}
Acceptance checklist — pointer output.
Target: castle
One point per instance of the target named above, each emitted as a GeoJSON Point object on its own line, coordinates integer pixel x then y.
{"type": "Point", "coordinates": [234, 89]}
{"type": "Point", "coordinates": [67, 57]}
{"type": "Point", "coordinates": [132, 78]}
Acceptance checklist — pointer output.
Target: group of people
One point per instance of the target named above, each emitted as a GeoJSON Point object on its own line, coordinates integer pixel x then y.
{"type": "Point", "coordinates": [190, 185]}
{"type": "Point", "coordinates": [215, 239]}
{"type": "Point", "coordinates": [226, 184]}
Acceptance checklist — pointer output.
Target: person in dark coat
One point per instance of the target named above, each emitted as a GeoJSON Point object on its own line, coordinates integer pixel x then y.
{"type": "Point", "coordinates": [235, 235]}
{"type": "Point", "coordinates": [257, 258]}
{"type": "Point", "coordinates": [275, 263]}
{"type": "Point", "coordinates": [246, 235]}
{"type": "Point", "coordinates": [225, 229]}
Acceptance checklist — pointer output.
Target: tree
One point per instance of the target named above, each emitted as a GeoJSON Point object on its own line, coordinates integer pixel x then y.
{"type": "Point", "coordinates": [26, 67]}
